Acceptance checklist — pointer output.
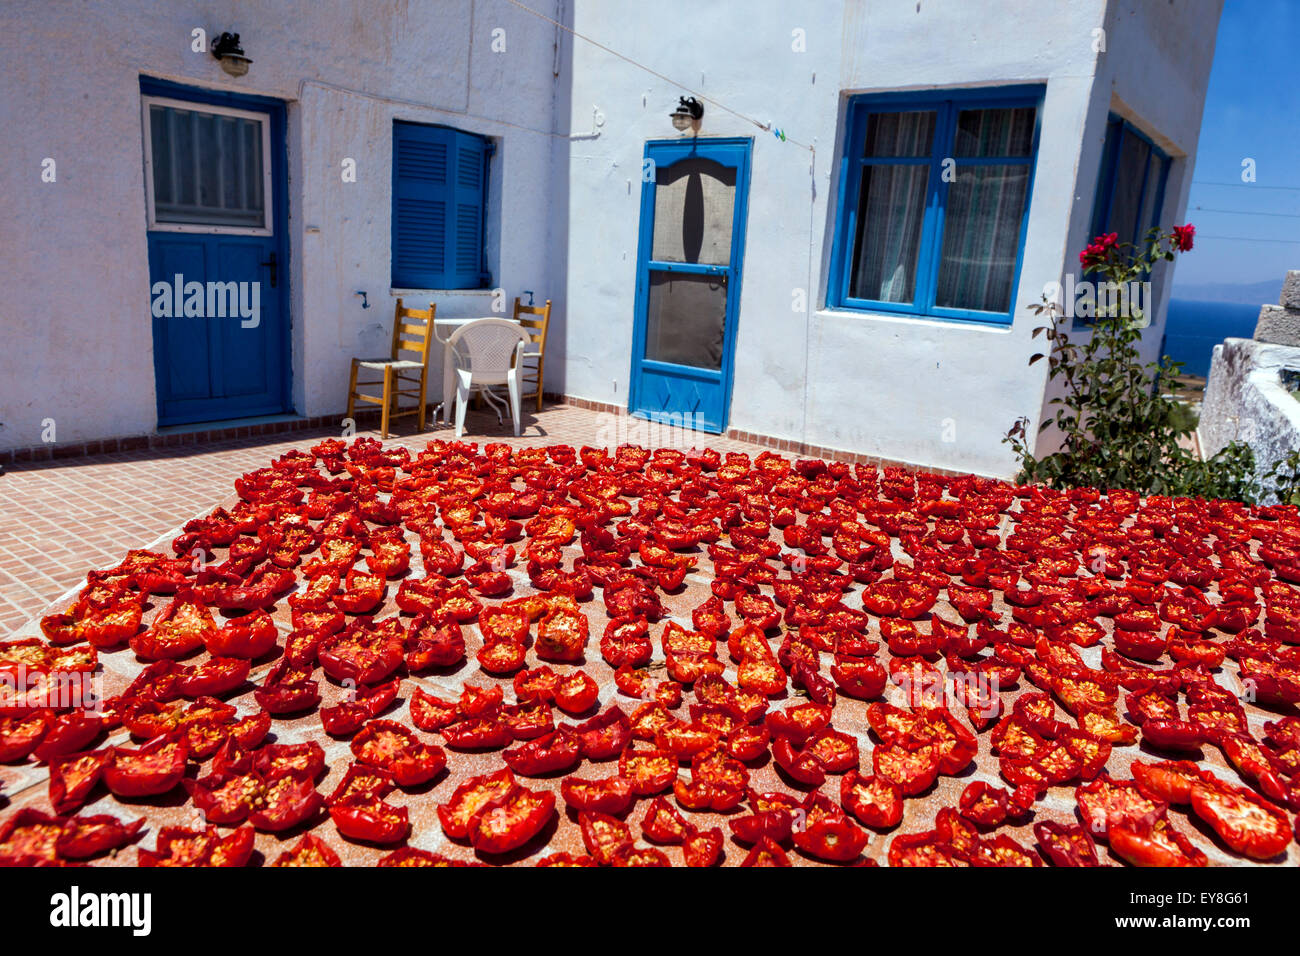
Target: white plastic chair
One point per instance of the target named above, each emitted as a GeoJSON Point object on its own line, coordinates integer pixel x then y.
{"type": "Point", "coordinates": [486, 353]}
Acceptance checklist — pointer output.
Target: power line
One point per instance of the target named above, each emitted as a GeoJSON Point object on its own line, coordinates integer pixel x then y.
{"type": "Point", "coordinates": [1246, 212]}
{"type": "Point", "coordinates": [1249, 239]}
{"type": "Point", "coordinates": [1206, 182]}
{"type": "Point", "coordinates": [766, 127]}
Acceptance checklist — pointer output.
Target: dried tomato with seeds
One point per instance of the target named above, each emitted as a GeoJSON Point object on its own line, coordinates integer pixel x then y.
{"type": "Point", "coordinates": [347, 718]}
{"type": "Point", "coordinates": [430, 643]}
{"type": "Point", "coordinates": [984, 805]}
{"type": "Point", "coordinates": [459, 815]}
{"type": "Point", "coordinates": [555, 752]}
{"type": "Point", "coordinates": [831, 836]}
{"type": "Point", "coordinates": [30, 838]}
{"type": "Point", "coordinates": [510, 824]}
{"type": "Point", "coordinates": [370, 820]}
{"type": "Point", "coordinates": [663, 824]}
{"type": "Point", "coordinates": [702, 848]}
{"type": "Point", "coordinates": [73, 777]}
{"type": "Point", "coordinates": [1066, 844]}
{"type": "Point", "coordinates": [284, 803]}
{"type": "Point", "coordinates": [366, 652]}
{"type": "Point", "coordinates": [251, 636]}
{"type": "Point", "coordinates": [651, 771]}
{"type": "Point", "coordinates": [775, 824]}
{"type": "Point", "coordinates": [576, 693]}
{"type": "Point", "coordinates": [1248, 823]}
{"type": "Point", "coordinates": [393, 747]}
{"type": "Point", "coordinates": [288, 689]}
{"type": "Point", "coordinates": [361, 593]}
{"type": "Point", "coordinates": [562, 635]}
{"type": "Point", "coordinates": [155, 768]}
{"type": "Point", "coordinates": [612, 795]}
{"type": "Point", "coordinates": [604, 836]}
{"type": "Point", "coordinates": [21, 733]}
{"type": "Point", "coordinates": [766, 853]}
{"type": "Point", "coordinates": [301, 760]}
{"type": "Point", "coordinates": [604, 736]}
{"type": "Point", "coordinates": [1170, 780]}
{"type": "Point", "coordinates": [213, 677]}
{"type": "Point", "coordinates": [1153, 841]}
{"type": "Point", "coordinates": [85, 837]}
{"type": "Point", "coordinates": [310, 850]}
{"type": "Point", "coordinates": [180, 629]}
{"type": "Point", "coordinates": [875, 800]}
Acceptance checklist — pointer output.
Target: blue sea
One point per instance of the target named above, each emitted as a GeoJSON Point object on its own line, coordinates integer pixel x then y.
{"type": "Point", "coordinates": [1194, 328]}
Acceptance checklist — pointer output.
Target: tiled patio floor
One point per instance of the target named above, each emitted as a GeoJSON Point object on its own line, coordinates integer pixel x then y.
{"type": "Point", "coordinates": [60, 518]}
{"type": "Point", "coordinates": [63, 518]}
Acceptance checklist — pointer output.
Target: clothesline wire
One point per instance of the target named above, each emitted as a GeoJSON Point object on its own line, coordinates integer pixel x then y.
{"type": "Point", "coordinates": [653, 72]}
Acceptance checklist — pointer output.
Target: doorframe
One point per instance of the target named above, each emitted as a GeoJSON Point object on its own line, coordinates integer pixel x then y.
{"type": "Point", "coordinates": [276, 109]}
{"type": "Point", "coordinates": [645, 227]}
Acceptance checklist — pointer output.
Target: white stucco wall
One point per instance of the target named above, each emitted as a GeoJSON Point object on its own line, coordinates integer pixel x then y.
{"type": "Point", "coordinates": [73, 267]}
{"type": "Point", "coordinates": [885, 385]}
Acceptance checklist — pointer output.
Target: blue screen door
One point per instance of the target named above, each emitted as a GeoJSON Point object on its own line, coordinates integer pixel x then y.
{"type": "Point", "coordinates": [218, 264]}
{"type": "Point", "coordinates": [688, 281]}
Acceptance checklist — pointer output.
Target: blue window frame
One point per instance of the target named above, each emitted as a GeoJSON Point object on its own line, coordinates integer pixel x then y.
{"type": "Point", "coordinates": [440, 181]}
{"type": "Point", "coordinates": [1131, 184]}
{"type": "Point", "coordinates": [934, 202]}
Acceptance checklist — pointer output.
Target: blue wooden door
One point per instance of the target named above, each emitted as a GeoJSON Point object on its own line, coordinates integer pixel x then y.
{"type": "Point", "coordinates": [218, 262]}
{"type": "Point", "coordinates": [688, 281]}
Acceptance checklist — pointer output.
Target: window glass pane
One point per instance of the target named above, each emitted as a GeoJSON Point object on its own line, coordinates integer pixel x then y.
{"type": "Point", "coordinates": [694, 208]}
{"type": "Point", "coordinates": [207, 168]}
{"type": "Point", "coordinates": [981, 237]}
{"type": "Point", "coordinates": [891, 207]}
{"type": "Point", "coordinates": [995, 132]}
{"type": "Point", "coordinates": [686, 319]}
{"type": "Point", "coordinates": [1131, 165]}
{"type": "Point", "coordinates": [900, 134]}
{"type": "Point", "coordinates": [1155, 178]}
{"type": "Point", "coordinates": [163, 162]}
{"type": "Point", "coordinates": [694, 204]}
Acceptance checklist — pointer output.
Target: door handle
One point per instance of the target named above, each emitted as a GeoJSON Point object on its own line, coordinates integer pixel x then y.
{"type": "Point", "coordinates": [273, 266]}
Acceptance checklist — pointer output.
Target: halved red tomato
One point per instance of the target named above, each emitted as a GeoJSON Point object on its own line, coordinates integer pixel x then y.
{"type": "Point", "coordinates": [155, 768]}
{"type": "Point", "coordinates": [612, 795]}
{"type": "Point", "coordinates": [370, 820]}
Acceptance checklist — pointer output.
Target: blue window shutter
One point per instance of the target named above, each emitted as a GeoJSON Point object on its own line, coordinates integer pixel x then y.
{"type": "Point", "coordinates": [465, 265]}
{"type": "Point", "coordinates": [423, 216]}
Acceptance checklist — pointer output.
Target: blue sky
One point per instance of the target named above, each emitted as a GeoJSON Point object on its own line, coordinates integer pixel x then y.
{"type": "Point", "coordinates": [1252, 110]}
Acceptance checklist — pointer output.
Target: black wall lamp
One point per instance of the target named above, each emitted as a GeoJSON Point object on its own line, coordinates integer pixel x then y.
{"type": "Point", "coordinates": [688, 113]}
{"type": "Point", "coordinates": [230, 55]}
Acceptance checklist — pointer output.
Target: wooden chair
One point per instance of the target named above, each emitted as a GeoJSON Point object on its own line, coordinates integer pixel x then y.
{"type": "Point", "coordinates": [534, 318]}
{"type": "Point", "coordinates": [412, 334]}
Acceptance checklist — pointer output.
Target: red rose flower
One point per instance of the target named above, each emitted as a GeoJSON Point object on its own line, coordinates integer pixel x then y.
{"type": "Point", "coordinates": [1183, 237]}
{"type": "Point", "coordinates": [1097, 251]}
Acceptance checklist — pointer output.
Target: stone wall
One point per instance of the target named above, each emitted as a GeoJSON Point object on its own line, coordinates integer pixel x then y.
{"type": "Point", "coordinates": [1246, 397]}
